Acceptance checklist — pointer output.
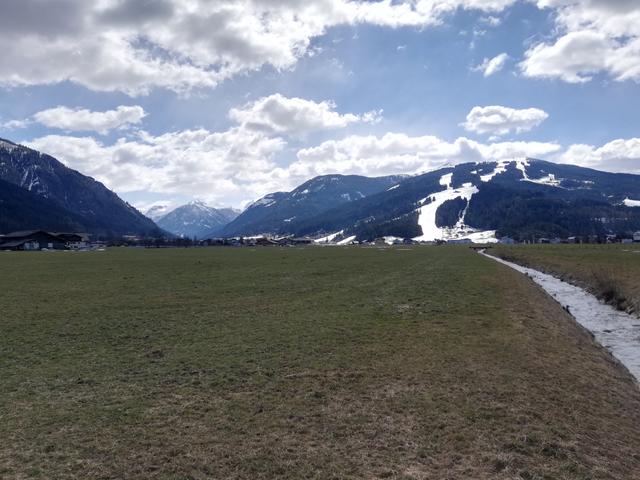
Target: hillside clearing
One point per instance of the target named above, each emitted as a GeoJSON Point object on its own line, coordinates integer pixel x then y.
{"type": "Point", "coordinates": [428, 362]}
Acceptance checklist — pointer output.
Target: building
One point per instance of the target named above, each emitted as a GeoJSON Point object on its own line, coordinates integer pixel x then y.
{"type": "Point", "coordinates": [31, 240]}
{"type": "Point", "coordinates": [507, 241]}
{"type": "Point", "coordinates": [74, 241]}
{"type": "Point", "coordinates": [636, 237]}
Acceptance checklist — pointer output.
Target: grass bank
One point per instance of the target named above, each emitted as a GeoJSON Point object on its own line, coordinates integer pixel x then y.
{"type": "Point", "coordinates": [409, 363]}
{"type": "Point", "coordinates": [611, 272]}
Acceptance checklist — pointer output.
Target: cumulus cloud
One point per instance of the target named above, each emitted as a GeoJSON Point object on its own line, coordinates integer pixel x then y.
{"type": "Point", "coordinates": [595, 36]}
{"type": "Point", "coordinates": [83, 120]}
{"type": "Point", "coordinates": [15, 124]}
{"type": "Point", "coordinates": [498, 120]}
{"type": "Point", "coordinates": [295, 116]}
{"type": "Point", "coordinates": [217, 166]}
{"type": "Point", "coordinates": [617, 156]}
{"type": "Point", "coordinates": [493, 65]}
{"type": "Point", "coordinates": [400, 153]}
{"type": "Point", "coordinates": [133, 47]}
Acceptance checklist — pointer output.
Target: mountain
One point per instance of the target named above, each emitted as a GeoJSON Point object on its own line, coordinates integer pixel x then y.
{"type": "Point", "coordinates": [20, 209]}
{"type": "Point", "coordinates": [196, 220]}
{"type": "Point", "coordinates": [522, 198]}
{"type": "Point", "coordinates": [70, 197]}
{"type": "Point", "coordinates": [276, 212]}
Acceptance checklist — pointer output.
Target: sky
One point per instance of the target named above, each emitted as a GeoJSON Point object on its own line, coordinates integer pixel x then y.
{"type": "Point", "coordinates": [167, 101]}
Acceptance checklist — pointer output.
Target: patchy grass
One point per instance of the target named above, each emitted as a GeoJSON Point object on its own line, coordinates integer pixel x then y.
{"type": "Point", "coordinates": [611, 272]}
{"type": "Point", "coordinates": [420, 363]}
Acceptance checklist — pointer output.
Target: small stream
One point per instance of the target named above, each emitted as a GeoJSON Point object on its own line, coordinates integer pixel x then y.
{"type": "Point", "coordinates": [617, 331]}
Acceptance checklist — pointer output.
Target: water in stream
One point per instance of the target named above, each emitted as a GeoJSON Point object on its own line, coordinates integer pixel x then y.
{"type": "Point", "coordinates": [617, 331]}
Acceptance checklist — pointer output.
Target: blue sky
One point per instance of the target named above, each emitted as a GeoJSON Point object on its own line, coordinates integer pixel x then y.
{"type": "Point", "coordinates": [226, 101]}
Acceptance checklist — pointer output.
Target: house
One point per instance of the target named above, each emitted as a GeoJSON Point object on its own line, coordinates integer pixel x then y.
{"type": "Point", "coordinates": [265, 242]}
{"type": "Point", "coordinates": [636, 237]}
{"type": "Point", "coordinates": [31, 240]}
{"type": "Point", "coordinates": [507, 241]}
{"type": "Point", "coordinates": [74, 241]}
{"type": "Point", "coordinates": [301, 241]}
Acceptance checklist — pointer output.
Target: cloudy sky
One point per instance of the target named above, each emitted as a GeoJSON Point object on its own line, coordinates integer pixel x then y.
{"type": "Point", "coordinates": [226, 100]}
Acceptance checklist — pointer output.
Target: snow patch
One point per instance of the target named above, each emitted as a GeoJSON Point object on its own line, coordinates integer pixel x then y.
{"type": "Point", "coordinates": [265, 201]}
{"type": "Point", "coordinates": [393, 188]}
{"type": "Point", "coordinates": [347, 241]}
{"type": "Point", "coordinates": [445, 180]}
{"type": "Point", "coordinates": [500, 168]}
{"type": "Point", "coordinates": [7, 146]}
{"type": "Point", "coordinates": [631, 203]}
{"type": "Point", "coordinates": [427, 213]}
{"type": "Point", "coordinates": [550, 180]}
{"type": "Point", "coordinates": [329, 238]}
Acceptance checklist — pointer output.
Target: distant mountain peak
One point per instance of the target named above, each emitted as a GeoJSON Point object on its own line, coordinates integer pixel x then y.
{"type": "Point", "coordinates": [196, 219]}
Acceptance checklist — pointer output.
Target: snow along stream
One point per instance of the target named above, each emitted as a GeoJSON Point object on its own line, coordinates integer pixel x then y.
{"type": "Point", "coordinates": [617, 331]}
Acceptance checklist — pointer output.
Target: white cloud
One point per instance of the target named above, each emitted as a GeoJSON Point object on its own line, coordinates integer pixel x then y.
{"type": "Point", "coordinates": [217, 166]}
{"type": "Point", "coordinates": [398, 153]}
{"type": "Point", "coordinates": [616, 156]}
{"type": "Point", "coordinates": [491, 21]}
{"type": "Point", "coordinates": [15, 124]}
{"type": "Point", "coordinates": [83, 120]}
{"type": "Point", "coordinates": [133, 46]}
{"type": "Point", "coordinates": [295, 116]}
{"type": "Point", "coordinates": [493, 65]}
{"type": "Point", "coordinates": [596, 36]}
{"type": "Point", "coordinates": [499, 120]}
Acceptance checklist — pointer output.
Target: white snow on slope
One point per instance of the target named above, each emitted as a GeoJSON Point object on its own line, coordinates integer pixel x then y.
{"type": "Point", "coordinates": [427, 213]}
{"type": "Point", "coordinates": [265, 201]}
{"type": "Point", "coordinates": [548, 180]}
{"type": "Point", "coordinates": [631, 203]}
{"type": "Point", "coordinates": [347, 241]}
{"type": "Point", "coordinates": [7, 146]}
{"type": "Point", "coordinates": [329, 238]}
{"type": "Point", "coordinates": [393, 188]}
{"type": "Point", "coordinates": [500, 168]}
{"type": "Point", "coordinates": [445, 180]}
{"type": "Point", "coordinates": [521, 164]}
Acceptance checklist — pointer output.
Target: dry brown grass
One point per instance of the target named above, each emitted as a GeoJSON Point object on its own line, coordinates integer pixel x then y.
{"type": "Point", "coordinates": [611, 272]}
{"type": "Point", "coordinates": [433, 363]}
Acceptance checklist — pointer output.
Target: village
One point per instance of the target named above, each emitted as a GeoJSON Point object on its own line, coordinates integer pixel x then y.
{"type": "Point", "coordinates": [41, 240]}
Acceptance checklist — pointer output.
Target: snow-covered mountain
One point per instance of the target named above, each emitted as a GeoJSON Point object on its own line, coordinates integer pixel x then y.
{"type": "Point", "coordinates": [156, 212]}
{"type": "Point", "coordinates": [522, 198]}
{"type": "Point", "coordinates": [194, 220]}
{"type": "Point", "coordinates": [276, 212]}
{"type": "Point", "coordinates": [61, 198]}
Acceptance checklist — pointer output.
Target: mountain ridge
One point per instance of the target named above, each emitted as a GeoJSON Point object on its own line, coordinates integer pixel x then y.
{"type": "Point", "coordinates": [95, 208]}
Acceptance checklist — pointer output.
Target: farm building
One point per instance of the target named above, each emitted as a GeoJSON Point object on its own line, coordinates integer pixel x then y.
{"type": "Point", "coordinates": [636, 237]}
{"type": "Point", "coordinates": [39, 239]}
{"type": "Point", "coordinates": [507, 241]}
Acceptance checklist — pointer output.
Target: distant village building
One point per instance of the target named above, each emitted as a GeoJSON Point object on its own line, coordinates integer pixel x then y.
{"type": "Point", "coordinates": [32, 240]}
{"type": "Point", "coordinates": [636, 237]}
{"type": "Point", "coordinates": [507, 241]}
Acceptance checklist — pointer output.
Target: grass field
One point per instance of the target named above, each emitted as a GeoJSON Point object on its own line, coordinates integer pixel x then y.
{"type": "Point", "coordinates": [611, 272]}
{"type": "Point", "coordinates": [221, 363]}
